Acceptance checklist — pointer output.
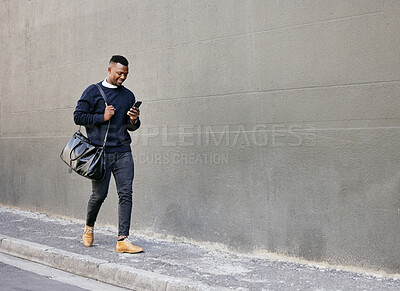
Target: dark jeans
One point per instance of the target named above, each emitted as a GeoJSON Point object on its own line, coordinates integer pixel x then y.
{"type": "Point", "coordinates": [122, 168]}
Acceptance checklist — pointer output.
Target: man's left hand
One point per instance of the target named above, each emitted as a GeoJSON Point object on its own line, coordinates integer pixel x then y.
{"type": "Point", "coordinates": [133, 114]}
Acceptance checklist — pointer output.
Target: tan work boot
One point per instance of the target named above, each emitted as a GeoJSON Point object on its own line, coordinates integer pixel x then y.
{"type": "Point", "coordinates": [87, 237]}
{"type": "Point", "coordinates": [125, 246]}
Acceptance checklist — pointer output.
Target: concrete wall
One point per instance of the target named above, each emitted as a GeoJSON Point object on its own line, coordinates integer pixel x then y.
{"type": "Point", "coordinates": [267, 125]}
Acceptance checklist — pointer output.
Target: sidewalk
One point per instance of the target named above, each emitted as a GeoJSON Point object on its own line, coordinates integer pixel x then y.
{"type": "Point", "coordinates": [165, 265]}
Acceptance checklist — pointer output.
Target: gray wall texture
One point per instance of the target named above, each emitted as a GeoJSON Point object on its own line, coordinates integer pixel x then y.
{"type": "Point", "coordinates": [267, 125]}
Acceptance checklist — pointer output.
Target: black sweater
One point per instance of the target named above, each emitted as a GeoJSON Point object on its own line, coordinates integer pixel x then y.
{"type": "Point", "coordinates": [90, 113]}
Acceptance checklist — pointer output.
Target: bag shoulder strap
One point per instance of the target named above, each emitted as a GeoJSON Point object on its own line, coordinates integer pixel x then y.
{"type": "Point", "coordinates": [105, 100]}
{"type": "Point", "coordinates": [102, 93]}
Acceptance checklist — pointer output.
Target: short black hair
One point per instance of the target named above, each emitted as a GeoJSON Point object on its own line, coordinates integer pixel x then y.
{"type": "Point", "coordinates": [119, 59]}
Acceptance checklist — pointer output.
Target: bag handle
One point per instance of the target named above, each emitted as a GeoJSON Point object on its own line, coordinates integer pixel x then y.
{"type": "Point", "coordinates": [105, 100]}
{"type": "Point", "coordinates": [73, 150]}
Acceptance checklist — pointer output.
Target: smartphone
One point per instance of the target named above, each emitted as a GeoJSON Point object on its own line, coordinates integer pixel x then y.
{"type": "Point", "coordinates": [137, 104]}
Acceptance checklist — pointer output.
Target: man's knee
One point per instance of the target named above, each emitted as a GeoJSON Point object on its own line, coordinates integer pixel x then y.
{"type": "Point", "coordinates": [125, 196]}
{"type": "Point", "coordinates": [98, 197]}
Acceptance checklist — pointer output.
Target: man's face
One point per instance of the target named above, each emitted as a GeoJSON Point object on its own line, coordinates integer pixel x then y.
{"type": "Point", "coordinates": [117, 74]}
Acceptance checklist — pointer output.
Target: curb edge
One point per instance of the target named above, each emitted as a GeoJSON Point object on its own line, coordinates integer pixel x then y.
{"type": "Point", "coordinates": [97, 269]}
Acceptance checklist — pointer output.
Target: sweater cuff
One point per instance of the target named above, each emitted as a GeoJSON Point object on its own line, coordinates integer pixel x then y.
{"type": "Point", "coordinates": [98, 119]}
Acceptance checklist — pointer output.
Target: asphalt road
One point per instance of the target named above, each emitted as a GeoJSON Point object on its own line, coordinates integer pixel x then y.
{"type": "Point", "coordinates": [17, 274]}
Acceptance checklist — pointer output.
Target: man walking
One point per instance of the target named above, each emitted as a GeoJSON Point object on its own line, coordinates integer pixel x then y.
{"type": "Point", "coordinates": [92, 112]}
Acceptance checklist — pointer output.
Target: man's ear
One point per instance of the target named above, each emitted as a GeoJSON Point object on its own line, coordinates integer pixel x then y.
{"type": "Point", "coordinates": [109, 69]}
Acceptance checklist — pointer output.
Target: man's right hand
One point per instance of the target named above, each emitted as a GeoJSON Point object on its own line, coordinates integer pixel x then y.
{"type": "Point", "coordinates": [109, 112]}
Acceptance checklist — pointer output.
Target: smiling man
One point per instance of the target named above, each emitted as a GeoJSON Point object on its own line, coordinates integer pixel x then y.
{"type": "Point", "coordinates": [93, 113]}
